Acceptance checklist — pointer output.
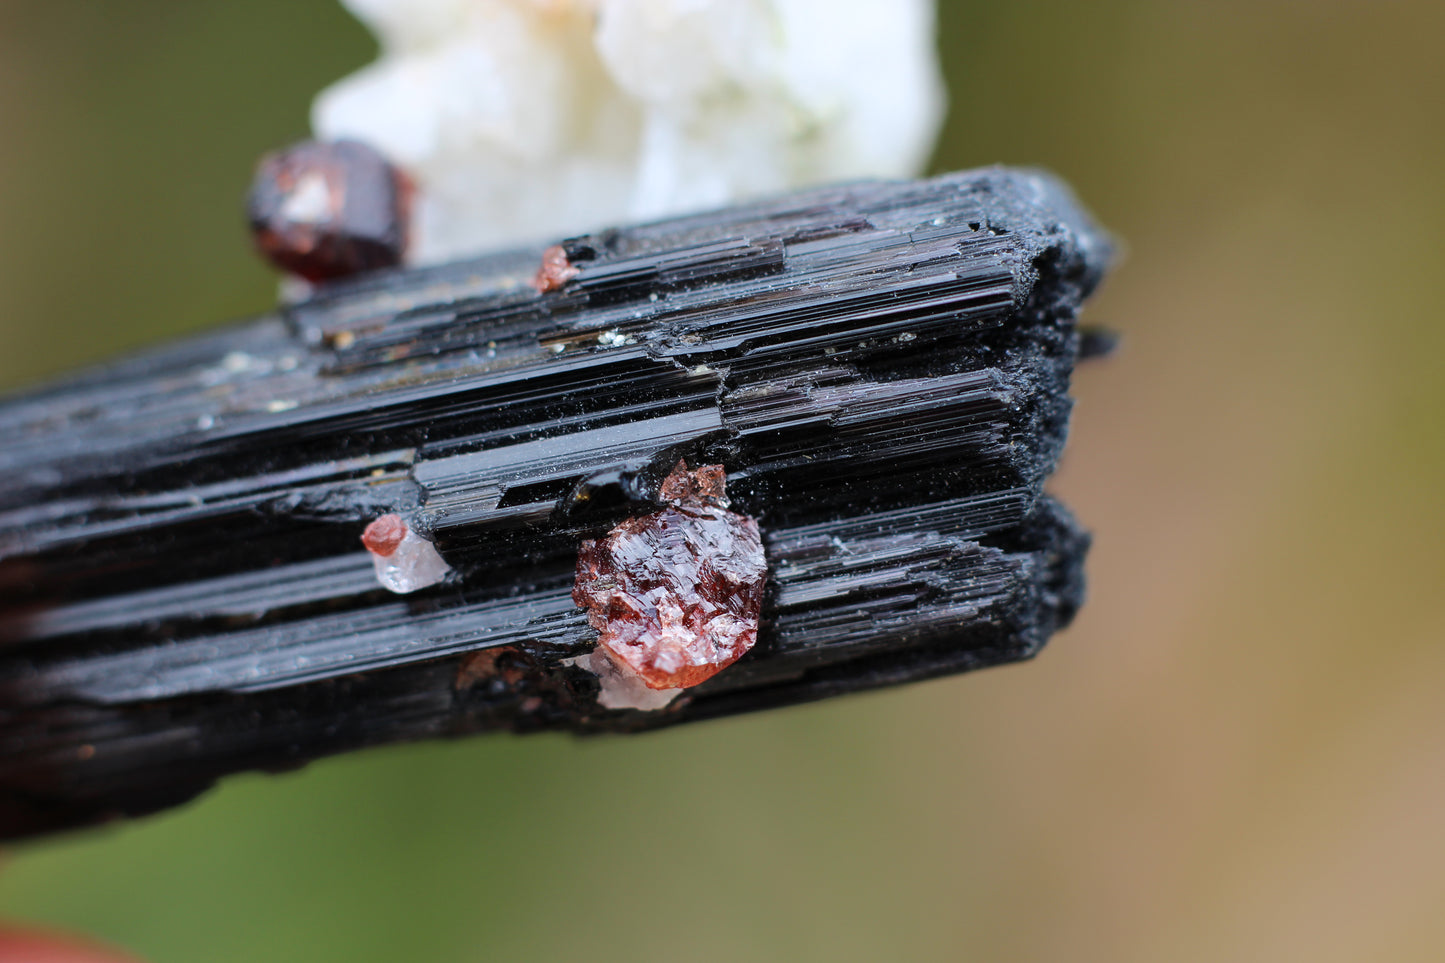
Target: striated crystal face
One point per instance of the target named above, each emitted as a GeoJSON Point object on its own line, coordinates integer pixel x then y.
{"type": "Point", "coordinates": [675, 595]}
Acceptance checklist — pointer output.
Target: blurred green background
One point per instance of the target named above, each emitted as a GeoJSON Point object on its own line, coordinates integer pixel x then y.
{"type": "Point", "coordinates": [1238, 751]}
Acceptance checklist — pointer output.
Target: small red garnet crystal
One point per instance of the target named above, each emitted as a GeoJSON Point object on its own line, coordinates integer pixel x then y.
{"type": "Point", "coordinates": [383, 535]}
{"type": "Point", "coordinates": [675, 596]}
{"type": "Point", "coordinates": [555, 271]}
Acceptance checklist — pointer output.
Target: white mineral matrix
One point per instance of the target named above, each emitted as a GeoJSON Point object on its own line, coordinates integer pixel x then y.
{"type": "Point", "coordinates": [524, 120]}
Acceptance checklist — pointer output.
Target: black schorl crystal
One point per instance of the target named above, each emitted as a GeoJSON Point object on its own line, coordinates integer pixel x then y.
{"type": "Point", "coordinates": [880, 369]}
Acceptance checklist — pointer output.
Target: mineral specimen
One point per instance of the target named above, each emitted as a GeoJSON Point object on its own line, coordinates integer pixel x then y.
{"type": "Point", "coordinates": [327, 210]}
{"type": "Point", "coordinates": [882, 367]}
{"type": "Point", "coordinates": [404, 561]}
{"type": "Point", "coordinates": [675, 595]}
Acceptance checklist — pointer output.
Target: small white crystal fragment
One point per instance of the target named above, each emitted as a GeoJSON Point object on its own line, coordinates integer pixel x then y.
{"type": "Point", "coordinates": [404, 561]}
{"type": "Point", "coordinates": [621, 688]}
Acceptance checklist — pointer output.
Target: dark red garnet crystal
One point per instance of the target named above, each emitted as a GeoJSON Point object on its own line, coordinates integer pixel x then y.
{"type": "Point", "coordinates": [329, 210]}
{"type": "Point", "coordinates": [675, 595]}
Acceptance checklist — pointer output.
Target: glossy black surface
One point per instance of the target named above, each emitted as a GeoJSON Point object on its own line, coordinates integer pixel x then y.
{"type": "Point", "coordinates": [882, 369]}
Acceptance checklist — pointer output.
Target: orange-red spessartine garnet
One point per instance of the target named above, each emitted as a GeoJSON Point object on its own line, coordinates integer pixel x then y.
{"type": "Point", "coordinates": [383, 535]}
{"type": "Point", "coordinates": [555, 272]}
{"type": "Point", "coordinates": [675, 595]}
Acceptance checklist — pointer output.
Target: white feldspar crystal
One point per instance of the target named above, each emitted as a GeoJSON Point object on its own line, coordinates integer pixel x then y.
{"type": "Point", "coordinates": [535, 119]}
{"type": "Point", "coordinates": [621, 688]}
{"type": "Point", "coordinates": [414, 565]}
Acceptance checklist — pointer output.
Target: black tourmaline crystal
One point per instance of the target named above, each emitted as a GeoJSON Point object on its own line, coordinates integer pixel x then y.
{"type": "Point", "coordinates": [880, 370]}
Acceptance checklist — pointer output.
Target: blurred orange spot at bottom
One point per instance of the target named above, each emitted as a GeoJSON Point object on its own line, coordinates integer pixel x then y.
{"type": "Point", "coordinates": [32, 947]}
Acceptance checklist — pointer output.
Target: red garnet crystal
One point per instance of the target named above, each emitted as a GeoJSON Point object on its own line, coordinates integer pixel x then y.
{"type": "Point", "coordinates": [675, 595]}
{"type": "Point", "coordinates": [329, 210]}
{"type": "Point", "coordinates": [383, 535]}
{"type": "Point", "coordinates": [555, 271]}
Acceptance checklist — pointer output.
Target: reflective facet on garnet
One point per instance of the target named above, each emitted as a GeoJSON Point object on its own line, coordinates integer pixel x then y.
{"type": "Point", "coordinates": [675, 595]}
